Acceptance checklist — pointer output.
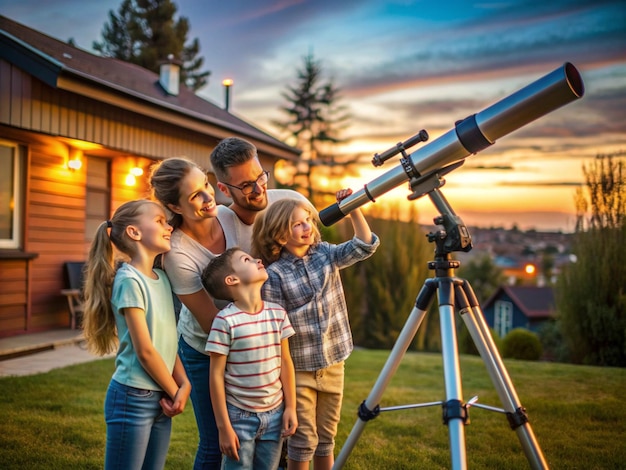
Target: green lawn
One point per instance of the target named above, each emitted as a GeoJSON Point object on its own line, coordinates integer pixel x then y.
{"type": "Point", "coordinates": [54, 420]}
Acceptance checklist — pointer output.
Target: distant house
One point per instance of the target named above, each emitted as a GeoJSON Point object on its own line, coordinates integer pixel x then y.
{"type": "Point", "coordinates": [78, 133]}
{"type": "Point", "coordinates": [519, 307]}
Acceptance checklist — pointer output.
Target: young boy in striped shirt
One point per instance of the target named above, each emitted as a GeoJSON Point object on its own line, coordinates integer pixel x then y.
{"type": "Point", "coordinates": [252, 378]}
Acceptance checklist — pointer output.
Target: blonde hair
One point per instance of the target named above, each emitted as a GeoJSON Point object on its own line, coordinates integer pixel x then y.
{"type": "Point", "coordinates": [272, 228]}
{"type": "Point", "coordinates": [99, 321]}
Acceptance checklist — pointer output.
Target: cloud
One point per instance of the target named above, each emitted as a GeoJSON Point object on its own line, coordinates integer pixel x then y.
{"type": "Point", "coordinates": [521, 36]}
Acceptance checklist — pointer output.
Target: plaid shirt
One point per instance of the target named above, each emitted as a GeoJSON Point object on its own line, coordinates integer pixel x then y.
{"type": "Point", "coordinates": [310, 289]}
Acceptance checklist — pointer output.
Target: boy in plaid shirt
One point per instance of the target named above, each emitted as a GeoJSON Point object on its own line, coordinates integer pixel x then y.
{"type": "Point", "coordinates": [303, 277]}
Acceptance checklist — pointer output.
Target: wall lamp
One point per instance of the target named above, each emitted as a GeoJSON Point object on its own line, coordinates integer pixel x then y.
{"type": "Point", "coordinates": [74, 161]}
{"type": "Point", "coordinates": [74, 164]}
{"type": "Point", "coordinates": [133, 174]}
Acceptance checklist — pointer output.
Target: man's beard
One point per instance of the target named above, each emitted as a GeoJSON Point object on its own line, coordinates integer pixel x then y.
{"type": "Point", "coordinates": [255, 205]}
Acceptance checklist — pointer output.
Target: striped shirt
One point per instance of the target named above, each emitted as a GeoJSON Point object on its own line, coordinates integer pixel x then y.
{"type": "Point", "coordinates": [252, 343]}
{"type": "Point", "coordinates": [310, 289]}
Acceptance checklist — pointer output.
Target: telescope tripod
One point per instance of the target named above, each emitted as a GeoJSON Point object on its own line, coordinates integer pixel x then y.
{"type": "Point", "coordinates": [451, 292]}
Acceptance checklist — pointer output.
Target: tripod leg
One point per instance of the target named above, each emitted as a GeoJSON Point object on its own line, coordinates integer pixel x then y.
{"type": "Point", "coordinates": [479, 331]}
{"type": "Point", "coordinates": [454, 411]}
{"type": "Point", "coordinates": [393, 361]}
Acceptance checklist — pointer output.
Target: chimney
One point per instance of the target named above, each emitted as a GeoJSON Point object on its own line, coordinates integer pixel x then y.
{"type": "Point", "coordinates": [170, 75]}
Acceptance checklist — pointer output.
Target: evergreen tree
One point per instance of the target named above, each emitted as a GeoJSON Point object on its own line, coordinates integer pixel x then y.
{"type": "Point", "coordinates": [314, 123]}
{"type": "Point", "coordinates": [145, 33]}
{"type": "Point", "coordinates": [591, 292]}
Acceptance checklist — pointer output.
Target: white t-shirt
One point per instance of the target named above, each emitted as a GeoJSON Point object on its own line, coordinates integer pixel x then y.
{"type": "Point", "coordinates": [252, 343]}
{"type": "Point", "coordinates": [184, 264]}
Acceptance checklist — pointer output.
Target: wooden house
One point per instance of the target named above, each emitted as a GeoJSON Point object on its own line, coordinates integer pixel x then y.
{"type": "Point", "coordinates": [78, 133]}
{"type": "Point", "coordinates": [519, 307]}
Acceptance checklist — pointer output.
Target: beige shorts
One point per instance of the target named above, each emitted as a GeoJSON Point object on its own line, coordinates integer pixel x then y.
{"type": "Point", "coordinates": [318, 402]}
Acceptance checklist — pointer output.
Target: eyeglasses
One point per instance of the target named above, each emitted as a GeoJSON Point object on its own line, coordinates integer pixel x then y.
{"type": "Point", "coordinates": [248, 188]}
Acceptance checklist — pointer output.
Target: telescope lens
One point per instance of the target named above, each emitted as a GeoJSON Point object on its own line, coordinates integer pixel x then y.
{"type": "Point", "coordinates": [574, 79]}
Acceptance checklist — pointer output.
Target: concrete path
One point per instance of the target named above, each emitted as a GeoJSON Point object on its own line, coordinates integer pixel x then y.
{"type": "Point", "coordinates": [41, 352]}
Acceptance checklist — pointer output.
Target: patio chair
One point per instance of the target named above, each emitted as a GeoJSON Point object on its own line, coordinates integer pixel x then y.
{"type": "Point", "coordinates": [73, 275]}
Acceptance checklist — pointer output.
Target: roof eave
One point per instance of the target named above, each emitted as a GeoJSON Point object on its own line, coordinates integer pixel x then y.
{"type": "Point", "coordinates": [23, 55]}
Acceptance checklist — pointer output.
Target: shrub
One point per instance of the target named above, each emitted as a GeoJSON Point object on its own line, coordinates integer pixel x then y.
{"type": "Point", "coordinates": [521, 343]}
{"type": "Point", "coordinates": [552, 342]}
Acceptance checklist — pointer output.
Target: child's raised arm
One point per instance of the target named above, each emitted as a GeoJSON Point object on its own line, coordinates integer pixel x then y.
{"type": "Point", "coordinates": [359, 224]}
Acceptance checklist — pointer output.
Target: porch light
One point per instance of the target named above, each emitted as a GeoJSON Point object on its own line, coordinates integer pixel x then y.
{"type": "Point", "coordinates": [133, 174]}
{"type": "Point", "coordinates": [74, 159]}
{"type": "Point", "coordinates": [74, 164]}
{"type": "Point", "coordinates": [530, 269]}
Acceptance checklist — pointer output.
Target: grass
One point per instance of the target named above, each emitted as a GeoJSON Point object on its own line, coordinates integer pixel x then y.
{"type": "Point", "coordinates": [54, 420]}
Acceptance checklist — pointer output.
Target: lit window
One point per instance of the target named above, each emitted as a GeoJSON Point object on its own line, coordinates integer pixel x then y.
{"type": "Point", "coordinates": [10, 195]}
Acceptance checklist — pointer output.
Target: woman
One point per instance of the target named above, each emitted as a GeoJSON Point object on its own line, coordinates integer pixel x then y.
{"type": "Point", "coordinates": [183, 188]}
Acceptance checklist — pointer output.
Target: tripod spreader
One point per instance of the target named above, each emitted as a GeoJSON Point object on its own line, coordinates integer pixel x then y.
{"type": "Point", "coordinates": [455, 409]}
{"type": "Point", "coordinates": [366, 414]}
{"type": "Point", "coordinates": [517, 419]}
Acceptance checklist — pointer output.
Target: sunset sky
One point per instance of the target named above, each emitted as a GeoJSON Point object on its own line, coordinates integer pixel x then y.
{"type": "Point", "coordinates": [408, 65]}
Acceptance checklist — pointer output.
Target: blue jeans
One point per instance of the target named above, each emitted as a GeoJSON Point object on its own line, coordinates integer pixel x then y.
{"type": "Point", "coordinates": [208, 455]}
{"type": "Point", "coordinates": [259, 438]}
{"type": "Point", "coordinates": [138, 433]}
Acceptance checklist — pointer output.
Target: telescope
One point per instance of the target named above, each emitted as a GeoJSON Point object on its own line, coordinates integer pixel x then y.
{"type": "Point", "coordinates": [469, 136]}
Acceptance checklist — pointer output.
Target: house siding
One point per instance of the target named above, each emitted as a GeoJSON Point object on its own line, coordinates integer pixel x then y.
{"type": "Point", "coordinates": [13, 294]}
{"type": "Point", "coordinates": [55, 231]}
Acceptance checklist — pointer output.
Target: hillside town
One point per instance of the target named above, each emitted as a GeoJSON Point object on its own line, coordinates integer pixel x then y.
{"type": "Point", "coordinates": [525, 257]}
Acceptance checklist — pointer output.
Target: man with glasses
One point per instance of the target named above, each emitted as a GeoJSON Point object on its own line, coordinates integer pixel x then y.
{"type": "Point", "coordinates": [241, 178]}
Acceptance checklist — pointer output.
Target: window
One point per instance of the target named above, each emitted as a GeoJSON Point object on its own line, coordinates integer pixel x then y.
{"type": "Point", "coordinates": [98, 197]}
{"type": "Point", "coordinates": [10, 195]}
{"type": "Point", "coordinates": [503, 317]}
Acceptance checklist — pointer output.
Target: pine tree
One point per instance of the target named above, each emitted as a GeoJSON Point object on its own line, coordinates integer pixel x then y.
{"type": "Point", "coordinates": [314, 123]}
{"type": "Point", "coordinates": [145, 33]}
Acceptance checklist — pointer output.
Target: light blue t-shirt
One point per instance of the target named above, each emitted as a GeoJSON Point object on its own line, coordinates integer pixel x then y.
{"type": "Point", "coordinates": [154, 296]}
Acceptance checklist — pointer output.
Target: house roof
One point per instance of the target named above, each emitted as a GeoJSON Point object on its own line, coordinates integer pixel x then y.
{"type": "Point", "coordinates": [61, 65]}
{"type": "Point", "coordinates": [533, 301]}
